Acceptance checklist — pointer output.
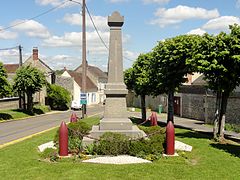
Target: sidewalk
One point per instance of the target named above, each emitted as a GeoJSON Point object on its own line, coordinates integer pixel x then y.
{"type": "Point", "coordinates": [195, 125]}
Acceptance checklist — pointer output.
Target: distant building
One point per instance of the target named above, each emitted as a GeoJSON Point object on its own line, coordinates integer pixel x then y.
{"type": "Point", "coordinates": [33, 61]}
{"type": "Point", "coordinates": [98, 77]}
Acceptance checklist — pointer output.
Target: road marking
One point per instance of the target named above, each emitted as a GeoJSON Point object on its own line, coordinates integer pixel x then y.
{"type": "Point", "coordinates": [32, 135]}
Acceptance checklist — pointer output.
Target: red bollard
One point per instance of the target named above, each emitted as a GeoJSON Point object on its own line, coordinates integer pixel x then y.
{"type": "Point", "coordinates": [170, 138]}
{"type": "Point", "coordinates": [63, 140]}
{"type": "Point", "coordinates": [153, 119]}
{"type": "Point", "coordinates": [73, 117]}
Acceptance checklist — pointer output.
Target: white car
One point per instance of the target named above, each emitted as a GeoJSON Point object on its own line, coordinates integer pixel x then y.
{"type": "Point", "coordinates": [75, 105]}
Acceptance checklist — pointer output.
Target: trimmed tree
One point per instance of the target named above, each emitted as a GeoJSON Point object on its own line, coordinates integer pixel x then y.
{"type": "Point", "coordinates": [172, 62]}
{"type": "Point", "coordinates": [58, 97]}
{"type": "Point", "coordinates": [138, 79]}
{"type": "Point", "coordinates": [29, 80]}
{"type": "Point", "coordinates": [5, 88]}
{"type": "Point", "coordinates": [219, 61]}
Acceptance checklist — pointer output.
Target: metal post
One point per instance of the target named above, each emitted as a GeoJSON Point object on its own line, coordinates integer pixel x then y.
{"type": "Point", "coordinates": [84, 70]}
{"type": "Point", "coordinates": [20, 64]}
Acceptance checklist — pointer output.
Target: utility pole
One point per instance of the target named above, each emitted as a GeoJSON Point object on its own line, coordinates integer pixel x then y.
{"type": "Point", "coordinates": [21, 96]}
{"type": "Point", "coordinates": [84, 62]}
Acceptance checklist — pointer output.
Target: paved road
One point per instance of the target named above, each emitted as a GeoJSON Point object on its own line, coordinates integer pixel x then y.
{"type": "Point", "coordinates": [13, 130]}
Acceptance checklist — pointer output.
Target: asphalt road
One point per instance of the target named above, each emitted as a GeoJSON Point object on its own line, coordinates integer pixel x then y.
{"type": "Point", "coordinates": [13, 130]}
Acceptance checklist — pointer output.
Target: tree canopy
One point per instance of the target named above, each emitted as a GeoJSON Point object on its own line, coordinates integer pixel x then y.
{"type": "Point", "coordinates": [29, 80]}
{"type": "Point", "coordinates": [172, 62]}
{"type": "Point", "coordinates": [138, 79]}
{"type": "Point", "coordinates": [5, 88]}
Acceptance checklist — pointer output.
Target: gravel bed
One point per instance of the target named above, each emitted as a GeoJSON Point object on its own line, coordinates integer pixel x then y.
{"type": "Point", "coordinates": [123, 159]}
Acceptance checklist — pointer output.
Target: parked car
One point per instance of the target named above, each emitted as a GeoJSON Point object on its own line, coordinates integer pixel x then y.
{"type": "Point", "coordinates": [75, 105]}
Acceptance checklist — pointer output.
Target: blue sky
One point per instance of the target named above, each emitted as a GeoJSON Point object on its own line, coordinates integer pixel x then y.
{"type": "Point", "coordinates": [58, 33]}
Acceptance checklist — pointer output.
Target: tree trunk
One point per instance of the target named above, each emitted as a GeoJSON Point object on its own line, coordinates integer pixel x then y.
{"type": "Point", "coordinates": [224, 102]}
{"type": "Point", "coordinates": [143, 107]}
{"type": "Point", "coordinates": [29, 102]}
{"type": "Point", "coordinates": [170, 106]}
{"type": "Point", "coordinates": [20, 100]}
{"type": "Point", "coordinates": [217, 113]}
{"type": "Point", "coordinates": [24, 101]}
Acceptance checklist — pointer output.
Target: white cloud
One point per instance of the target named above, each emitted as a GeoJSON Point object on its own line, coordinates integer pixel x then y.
{"type": "Point", "coordinates": [221, 23]}
{"type": "Point", "coordinates": [130, 55]}
{"type": "Point", "coordinates": [76, 19]}
{"type": "Point", "coordinates": [156, 1]}
{"type": "Point", "coordinates": [49, 2]}
{"type": "Point", "coordinates": [11, 56]}
{"type": "Point", "coordinates": [180, 13]}
{"type": "Point", "coordinates": [74, 39]}
{"type": "Point", "coordinates": [7, 34]}
{"type": "Point", "coordinates": [197, 31]}
{"type": "Point", "coordinates": [31, 28]}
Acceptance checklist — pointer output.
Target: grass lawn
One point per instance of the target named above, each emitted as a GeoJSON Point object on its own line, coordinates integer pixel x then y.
{"type": "Point", "coordinates": [208, 160]}
{"type": "Point", "coordinates": [18, 114]}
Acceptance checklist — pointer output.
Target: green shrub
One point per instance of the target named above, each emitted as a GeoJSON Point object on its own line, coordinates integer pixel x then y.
{"type": "Point", "coordinates": [50, 154]}
{"type": "Point", "coordinates": [76, 131]}
{"type": "Point", "coordinates": [41, 109]}
{"type": "Point", "coordinates": [58, 97]}
{"type": "Point", "coordinates": [150, 148]}
{"type": "Point", "coordinates": [113, 144]}
{"type": "Point", "coordinates": [152, 129]}
{"type": "Point", "coordinates": [232, 127]}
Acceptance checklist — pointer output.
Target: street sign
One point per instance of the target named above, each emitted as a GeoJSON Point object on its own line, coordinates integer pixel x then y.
{"type": "Point", "coordinates": [83, 101]}
{"type": "Point", "coordinates": [83, 95]}
{"type": "Point", "coordinates": [83, 98]}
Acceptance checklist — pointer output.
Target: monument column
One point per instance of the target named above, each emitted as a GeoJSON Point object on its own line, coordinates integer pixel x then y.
{"type": "Point", "coordinates": [115, 89]}
{"type": "Point", "coordinates": [115, 117]}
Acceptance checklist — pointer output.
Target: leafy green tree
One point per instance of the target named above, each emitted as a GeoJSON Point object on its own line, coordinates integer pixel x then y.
{"type": "Point", "coordinates": [219, 61]}
{"type": "Point", "coordinates": [172, 62]}
{"type": "Point", "coordinates": [29, 80]}
{"type": "Point", "coordinates": [5, 88]}
{"type": "Point", "coordinates": [137, 79]}
{"type": "Point", "coordinates": [58, 97]}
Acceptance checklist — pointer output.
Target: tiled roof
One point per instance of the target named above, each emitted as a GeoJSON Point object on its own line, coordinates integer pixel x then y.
{"type": "Point", "coordinates": [11, 68]}
{"type": "Point", "coordinates": [94, 70]}
{"type": "Point", "coordinates": [78, 78]}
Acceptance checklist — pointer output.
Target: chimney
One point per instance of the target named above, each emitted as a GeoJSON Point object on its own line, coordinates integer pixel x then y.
{"type": "Point", "coordinates": [35, 54]}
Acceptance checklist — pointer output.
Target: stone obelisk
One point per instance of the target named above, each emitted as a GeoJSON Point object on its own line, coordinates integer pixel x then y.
{"type": "Point", "coordinates": [115, 117]}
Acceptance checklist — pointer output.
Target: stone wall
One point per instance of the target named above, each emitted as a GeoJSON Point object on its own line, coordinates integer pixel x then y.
{"type": "Point", "coordinates": [9, 103]}
{"type": "Point", "coordinates": [151, 102]}
{"type": "Point", "coordinates": [192, 106]}
{"type": "Point", "coordinates": [232, 113]}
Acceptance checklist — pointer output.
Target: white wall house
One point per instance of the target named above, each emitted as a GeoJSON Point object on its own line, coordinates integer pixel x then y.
{"type": "Point", "coordinates": [92, 90]}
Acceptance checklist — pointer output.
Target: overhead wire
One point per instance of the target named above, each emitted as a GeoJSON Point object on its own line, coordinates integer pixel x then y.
{"type": "Point", "coordinates": [34, 17]}
{"type": "Point", "coordinates": [96, 29]}
{"type": "Point", "coordinates": [5, 49]}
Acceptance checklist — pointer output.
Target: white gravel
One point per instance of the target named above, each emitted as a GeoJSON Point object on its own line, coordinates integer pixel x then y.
{"type": "Point", "coordinates": [123, 159]}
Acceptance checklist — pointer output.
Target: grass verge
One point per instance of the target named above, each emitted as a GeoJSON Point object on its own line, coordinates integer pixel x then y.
{"type": "Point", "coordinates": [208, 160]}
{"type": "Point", "coordinates": [18, 114]}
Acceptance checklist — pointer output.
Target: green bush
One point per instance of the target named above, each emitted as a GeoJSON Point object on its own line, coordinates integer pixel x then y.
{"type": "Point", "coordinates": [58, 97]}
{"type": "Point", "coordinates": [232, 127]}
{"type": "Point", "coordinates": [152, 129]}
{"type": "Point", "coordinates": [113, 144]}
{"type": "Point", "coordinates": [40, 109]}
{"type": "Point", "coordinates": [76, 131]}
{"type": "Point", "coordinates": [150, 148]}
{"type": "Point", "coordinates": [50, 154]}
